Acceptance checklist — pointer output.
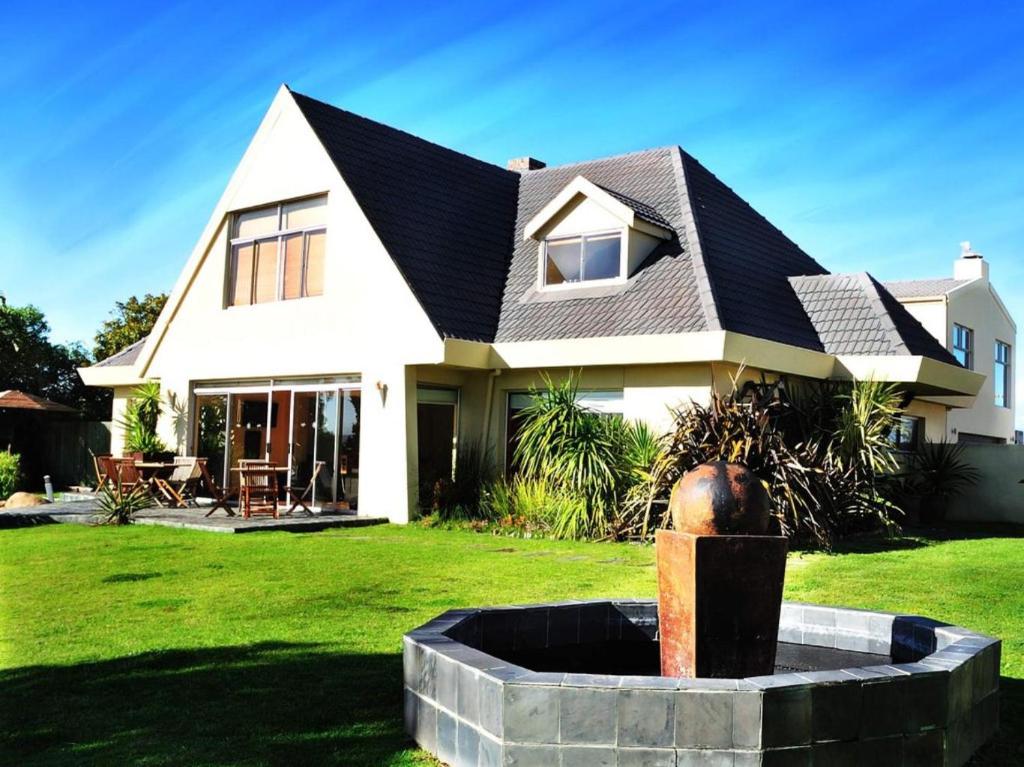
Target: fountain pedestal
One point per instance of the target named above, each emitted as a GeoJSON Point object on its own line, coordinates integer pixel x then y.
{"type": "Point", "coordinates": [719, 598]}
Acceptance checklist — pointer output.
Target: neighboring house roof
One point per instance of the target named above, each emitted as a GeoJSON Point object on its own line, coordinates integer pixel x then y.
{"type": "Point", "coordinates": [445, 218]}
{"type": "Point", "coordinates": [923, 288]}
{"type": "Point", "coordinates": [854, 314]}
{"type": "Point", "coordinates": [12, 399]}
{"type": "Point", "coordinates": [126, 356]}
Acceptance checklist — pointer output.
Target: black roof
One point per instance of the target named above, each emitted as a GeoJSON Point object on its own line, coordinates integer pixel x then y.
{"type": "Point", "coordinates": [454, 227]}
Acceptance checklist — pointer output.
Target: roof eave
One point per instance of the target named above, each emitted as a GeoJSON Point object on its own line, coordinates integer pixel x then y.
{"type": "Point", "coordinates": [922, 375]}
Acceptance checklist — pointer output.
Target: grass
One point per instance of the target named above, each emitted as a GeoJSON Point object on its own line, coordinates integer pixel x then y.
{"type": "Point", "coordinates": [152, 646]}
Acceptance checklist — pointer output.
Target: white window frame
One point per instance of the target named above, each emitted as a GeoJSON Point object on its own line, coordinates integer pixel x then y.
{"type": "Point", "coordinates": [969, 349]}
{"type": "Point", "coordinates": [280, 235]}
{"type": "Point", "coordinates": [1007, 373]}
{"type": "Point", "coordinates": [543, 262]}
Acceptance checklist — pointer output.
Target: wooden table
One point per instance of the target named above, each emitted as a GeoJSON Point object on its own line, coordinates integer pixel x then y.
{"type": "Point", "coordinates": [150, 471]}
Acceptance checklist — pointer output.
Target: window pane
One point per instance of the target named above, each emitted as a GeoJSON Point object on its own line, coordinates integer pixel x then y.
{"type": "Point", "coordinates": [563, 261]}
{"type": "Point", "coordinates": [266, 272]}
{"type": "Point", "coordinates": [241, 275]}
{"type": "Point", "coordinates": [293, 266]}
{"type": "Point", "coordinates": [601, 257]}
{"type": "Point", "coordinates": [314, 264]}
{"type": "Point", "coordinates": [253, 223]}
{"type": "Point", "coordinates": [305, 213]}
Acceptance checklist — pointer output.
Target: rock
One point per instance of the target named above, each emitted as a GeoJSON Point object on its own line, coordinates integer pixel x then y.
{"type": "Point", "coordinates": [23, 500]}
{"type": "Point", "coordinates": [720, 498]}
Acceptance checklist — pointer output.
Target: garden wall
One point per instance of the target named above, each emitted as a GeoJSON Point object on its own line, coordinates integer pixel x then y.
{"type": "Point", "coordinates": [998, 496]}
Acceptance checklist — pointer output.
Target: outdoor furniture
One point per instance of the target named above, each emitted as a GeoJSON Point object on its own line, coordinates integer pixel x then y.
{"type": "Point", "coordinates": [101, 465]}
{"type": "Point", "coordinates": [298, 494]}
{"type": "Point", "coordinates": [246, 463]}
{"type": "Point", "coordinates": [220, 496]}
{"type": "Point", "coordinates": [179, 488]}
{"type": "Point", "coordinates": [258, 491]}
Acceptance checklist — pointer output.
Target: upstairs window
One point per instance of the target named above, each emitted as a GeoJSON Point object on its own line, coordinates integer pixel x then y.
{"type": "Point", "coordinates": [586, 258]}
{"type": "Point", "coordinates": [1002, 376]}
{"type": "Point", "coordinates": [277, 252]}
{"type": "Point", "coordinates": [963, 346]}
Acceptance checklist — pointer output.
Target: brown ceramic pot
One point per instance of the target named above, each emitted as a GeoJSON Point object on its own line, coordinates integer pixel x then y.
{"type": "Point", "coordinates": [720, 498]}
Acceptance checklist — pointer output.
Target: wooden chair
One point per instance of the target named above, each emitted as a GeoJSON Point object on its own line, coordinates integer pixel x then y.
{"type": "Point", "coordinates": [101, 465]}
{"type": "Point", "coordinates": [298, 494]}
{"type": "Point", "coordinates": [221, 496]}
{"type": "Point", "coordinates": [258, 491]}
{"type": "Point", "coordinates": [127, 473]}
{"type": "Point", "coordinates": [179, 489]}
{"type": "Point", "coordinates": [252, 463]}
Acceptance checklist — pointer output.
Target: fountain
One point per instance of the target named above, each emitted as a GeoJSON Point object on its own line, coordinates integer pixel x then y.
{"type": "Point", "coordinates": [718, 671]}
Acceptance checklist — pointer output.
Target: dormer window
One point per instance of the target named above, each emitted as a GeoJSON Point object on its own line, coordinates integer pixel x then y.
{"type": "Point", "coordinates": [584, 258]}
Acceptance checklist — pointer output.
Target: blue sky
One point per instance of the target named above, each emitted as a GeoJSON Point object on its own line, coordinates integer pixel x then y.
{"type": "Point", "coordinates": [877, 137]}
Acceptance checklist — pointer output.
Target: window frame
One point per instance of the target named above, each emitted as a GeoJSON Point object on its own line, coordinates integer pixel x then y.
{"type": "Point", "coordinates": [917, 433]}
{"type": "Point", "coordinates": [1007, 373]}
{"type": "Point", "coordinates": [620, 278]}
{"type": "Point", "coordinates": [968, 351]}
{"type": "Point", "coordinates": [280, 235]}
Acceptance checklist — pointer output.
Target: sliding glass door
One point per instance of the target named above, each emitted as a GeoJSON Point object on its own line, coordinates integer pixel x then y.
{"type": "Point", "coordinates": [293, 427]}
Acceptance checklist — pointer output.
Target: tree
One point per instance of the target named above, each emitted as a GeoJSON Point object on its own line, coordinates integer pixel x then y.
{"type": "Point", "coordinates": [132, 321]}
{"type": "Point", "coordinates": [30, 362]}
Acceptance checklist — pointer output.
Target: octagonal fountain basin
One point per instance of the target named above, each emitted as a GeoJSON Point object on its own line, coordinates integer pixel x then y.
{"type": "Point", "coordinates": [576, 684]}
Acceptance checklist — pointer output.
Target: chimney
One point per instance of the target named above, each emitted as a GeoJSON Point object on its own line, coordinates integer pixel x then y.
{"type": "Point", "coordinates": [523, 164]}
{"type": "Point", "coordinates": [970, 265]}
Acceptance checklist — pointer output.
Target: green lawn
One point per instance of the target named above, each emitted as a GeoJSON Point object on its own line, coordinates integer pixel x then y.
{"type": "Point", "coordinates": [153, 646]}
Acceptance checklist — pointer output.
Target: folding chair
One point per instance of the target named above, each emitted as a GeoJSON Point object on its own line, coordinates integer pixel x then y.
{"type": "Point", "coordinates": [179, 488]}
{"type": "Point", "coordinates": [258, 488]}
{"type": "Point", "coordinates": [127, 473]}
{"type": "Point", "coordinates": [220, 496]}
{"type": "Point", "coordinates": [101, 466]}
{"type": "Point", "coordinates": [298, 495]}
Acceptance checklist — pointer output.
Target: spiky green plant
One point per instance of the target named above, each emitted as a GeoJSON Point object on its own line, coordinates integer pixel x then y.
{"type": "Point", "coordinates": [119, 504]}
{"type": "Point", "coordinates": [140, 420]}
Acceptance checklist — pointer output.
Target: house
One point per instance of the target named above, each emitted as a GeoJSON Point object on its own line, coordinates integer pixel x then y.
{"type": "Point", "coordinates": [366, 298]}
{"type": "Point", "coordinates": [966, 315]}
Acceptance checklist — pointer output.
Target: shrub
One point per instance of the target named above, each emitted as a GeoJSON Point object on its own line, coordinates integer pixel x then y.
{"type": "Point", "coordinates": [459, 498]}
{"type": "Point", "coordinates": [119, 505]}
{"type": "Point", "coordinates": [821, 450]}
{"type": "Point", "coordinates": [140, 420]}
{"type": "Point", "coordinates": [10, 473]}
{"type": "Point", "coordinates": [532, 507]}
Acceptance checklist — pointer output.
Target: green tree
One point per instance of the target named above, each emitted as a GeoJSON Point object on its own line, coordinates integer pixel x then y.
{"type": "Point", "coordinates": [132, 321]}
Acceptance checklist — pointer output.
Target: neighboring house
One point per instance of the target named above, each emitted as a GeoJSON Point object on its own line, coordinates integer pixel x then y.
{"type": "Point", "coordinates": [366, 298]}
{"type": "Point", "coordinates": [966, 315]}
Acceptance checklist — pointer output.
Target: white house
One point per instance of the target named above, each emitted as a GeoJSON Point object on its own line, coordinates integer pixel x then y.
{"type": "Point", "coordinates": [367, 298]}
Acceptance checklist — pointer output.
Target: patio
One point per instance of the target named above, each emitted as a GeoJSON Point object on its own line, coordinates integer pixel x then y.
{"type": "Point", "coordinates": [84, 512]}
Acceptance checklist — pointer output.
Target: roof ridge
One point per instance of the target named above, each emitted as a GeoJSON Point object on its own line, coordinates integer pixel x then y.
{"type": "Point", "coordinates": [621, 156]}
{"type": "Point", "coordinates": [705, 290]}
{"type": "Point", "coordinates": [419, 139]}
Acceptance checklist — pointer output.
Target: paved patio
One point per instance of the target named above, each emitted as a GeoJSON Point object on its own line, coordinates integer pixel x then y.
{"type": "Point", "coordinates": [84, 512]}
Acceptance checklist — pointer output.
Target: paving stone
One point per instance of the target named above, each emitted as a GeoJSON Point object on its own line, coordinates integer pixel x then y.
{"type": "Point", "coordinates": [787, 757]}
{"type": "Point", "coordinates": [530, 714]}
{"type": "Point", "coordinates": [490, 752]}
{"type": "Point", "coordinates": [587, 716]}
{"type": "Point", "coordinates": [704, 757]}
{"type": "Point", "coordinates": [926, 702]}
{"type": "Point", "coordinates": [746, 719]}
{"type": "Point", "coordinates": [646, 757]}
{"type": "Point", "coordinates": [836, 710]}
{"type": "Point", "coordinates": [581, 756]}
{"type": "Point", "coordinates": [490, 703]}
{"type": "Point", "coordinates": [468, 746]}
{"type": "Point", "coordinates": [819, 616]}
{"type": "Point", "coordinates": [426, 725]}
{"type": "Point", "coordinates": [468, 697]}
{"type": "Point", "coordinates": [409, 712]}
{"type": "Point", "coordinates": [446, 673]}
{"type": "Point", "coordinates": [426, 673]}
{"type": "Point", "coordinates": [925, 749]}
{"type": "Point", "coordinates": [786, 717]}
{"type": "Point", "coordinates": [646, 718]}
{"type": "Point", "coordinates": [881, 752]}
{"type": "Point", "coordinates": [447, 737]}
{"type": "Point", "coordinates": [530, 756]}
{"type": "Point", "coordinates": [881, 697]}
{"type": "Point", "coordinates": [591, 680]}
{"type": "Point", "coordinates": [704, 719]}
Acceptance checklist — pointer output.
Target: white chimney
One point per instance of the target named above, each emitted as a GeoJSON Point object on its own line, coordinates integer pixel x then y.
{"type": "Point", "coordinates": [970, 265]}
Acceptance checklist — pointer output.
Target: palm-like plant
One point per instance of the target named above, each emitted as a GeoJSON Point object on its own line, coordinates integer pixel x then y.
{"type": "Point", "coordinates": [940, 472]}
{"type": "Point", "coordinates": [141, 418]}
{"type": "Point", "coordinates": [119, 504]}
